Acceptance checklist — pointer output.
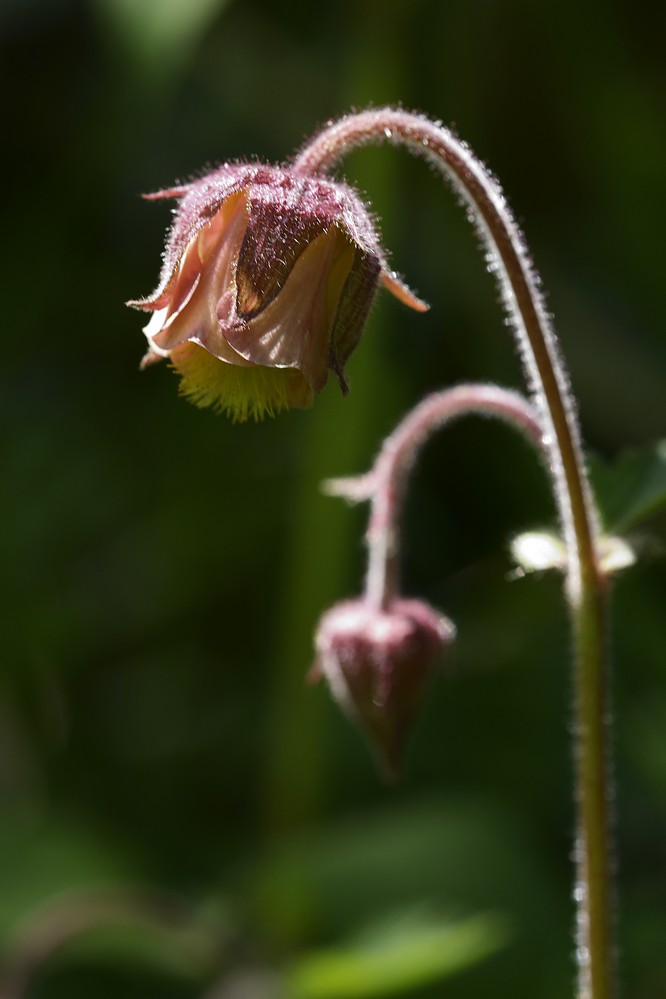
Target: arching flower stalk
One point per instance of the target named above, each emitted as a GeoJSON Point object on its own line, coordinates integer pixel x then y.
{"type": "Point", "coordinates": [268, 277]}
{"type": "Point", "coordinates": [377, 652]}
{"type": "Point", "coordinates": [587, 579]}
{"type": "Point", "coordinates": [385, 484]}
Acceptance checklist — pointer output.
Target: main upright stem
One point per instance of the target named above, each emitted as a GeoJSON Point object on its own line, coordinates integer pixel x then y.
{"type": "Point", "coordinates": [586, 584]}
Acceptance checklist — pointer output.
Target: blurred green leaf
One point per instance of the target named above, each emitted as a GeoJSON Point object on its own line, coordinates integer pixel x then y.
{"type": "Point", "coordinates": [329, 886]}
{"type": "Point", "coordinates": [160, 33]}
{"type": "Point", "coordinates": [633, 488]}
{"type": "Point", "coordinates": [397, 957]}
{"type": "Point", "coordinates": [38, 862]}
{"type": "Point", "coordinates": [69, 896]}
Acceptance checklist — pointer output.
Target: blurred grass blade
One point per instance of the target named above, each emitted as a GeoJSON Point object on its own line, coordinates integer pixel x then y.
{"type": "Point", "coordinates": [124, 926]}
{"type": "Point", "coordinates": [401, 957]}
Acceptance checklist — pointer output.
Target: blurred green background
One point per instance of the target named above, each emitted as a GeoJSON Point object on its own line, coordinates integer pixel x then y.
{"type": "Point", "coordinates": [181, 816]}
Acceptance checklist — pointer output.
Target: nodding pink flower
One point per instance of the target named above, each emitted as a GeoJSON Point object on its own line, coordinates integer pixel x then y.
{"type": "Point", "coordinates": [377, 664]}
{"type": "Point", "coordinates": [267, 281]}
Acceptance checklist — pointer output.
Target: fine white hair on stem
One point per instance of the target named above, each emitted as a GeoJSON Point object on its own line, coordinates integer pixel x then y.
{"type": "Point", "coordinates": [508, 259]}
{"type": "Point", "coordinates": [384, 485]}
{"type": "Point", "coordinates": [586, 574]}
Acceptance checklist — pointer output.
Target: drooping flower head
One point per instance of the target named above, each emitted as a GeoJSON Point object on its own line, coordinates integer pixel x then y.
{"type": "Point", "coordinates": [377, 664]}
{"type": "Point", "coordinates": [267, 281]}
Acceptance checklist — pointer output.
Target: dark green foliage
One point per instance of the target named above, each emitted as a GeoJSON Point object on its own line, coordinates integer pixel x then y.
{"type": "Point", "coordinates": [162, 571]}
{"type": "Point", "coordinates": [632, 489]}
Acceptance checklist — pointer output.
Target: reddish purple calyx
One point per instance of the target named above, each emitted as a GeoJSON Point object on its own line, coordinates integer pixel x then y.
{"type": "Point", "coordinates": [377, 664]}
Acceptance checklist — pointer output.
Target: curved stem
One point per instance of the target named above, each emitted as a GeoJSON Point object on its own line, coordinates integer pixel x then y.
{"type": "Point", "coordinates": [586, 584]}
{"type": "Point", "coordinates": [520, 292]}
{"type": "Point", "coordinates": [385, 484]}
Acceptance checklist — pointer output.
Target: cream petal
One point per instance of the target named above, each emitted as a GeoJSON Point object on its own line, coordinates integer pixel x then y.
{"type": "Point", "coordinates": [172, 332]}
{"type": "Point", "coordinates": [208, 274]}
{"type": "Point", "coordinates": [216, 343]}
{"type": "Point", "coordinates": [155, 323]}
{"type": "Point", "coordinates": [294, 330]}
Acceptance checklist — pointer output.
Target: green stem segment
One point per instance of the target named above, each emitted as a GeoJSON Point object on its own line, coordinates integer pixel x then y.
{"type": "Point", "coordinates": [586, 584]}
{"type": "Point", "coordinates": [594, 793]}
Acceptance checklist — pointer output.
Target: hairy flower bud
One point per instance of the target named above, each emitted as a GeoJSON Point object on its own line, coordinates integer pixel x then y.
{"type": "Point", "coordinates": [267, 281]}
{"type": "Point", "coordinates": [377, 664]}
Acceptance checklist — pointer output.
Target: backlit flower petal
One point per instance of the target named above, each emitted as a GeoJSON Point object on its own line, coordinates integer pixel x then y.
{"type": "Point", "coordinates": [266, 284]}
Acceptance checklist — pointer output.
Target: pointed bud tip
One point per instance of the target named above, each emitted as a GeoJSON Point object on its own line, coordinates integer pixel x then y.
{"type": "Point", "coordinates": [167, 192]}
{"type": "Point", "coordinates": [355, 489]}
{"type": "Point", "coordinates": [404, 294]}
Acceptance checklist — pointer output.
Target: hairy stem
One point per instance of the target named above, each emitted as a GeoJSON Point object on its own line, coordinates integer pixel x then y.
{"type": "Point", "coordinates": [586, 584]}
{"type": "Point", "coordinates": [385, 484]}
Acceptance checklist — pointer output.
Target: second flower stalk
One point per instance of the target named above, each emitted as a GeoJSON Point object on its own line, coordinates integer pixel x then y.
{"type": "Point", "coordinates": [378, 652]}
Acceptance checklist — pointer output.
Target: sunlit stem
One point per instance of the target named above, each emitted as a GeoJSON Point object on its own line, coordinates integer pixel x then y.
{"type": "Point", "coordinates": [586, 584]}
